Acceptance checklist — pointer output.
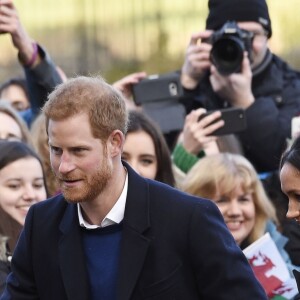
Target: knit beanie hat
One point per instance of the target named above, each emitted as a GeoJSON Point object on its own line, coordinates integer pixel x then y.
{"type": "Point", "coordinates": [221, 11]}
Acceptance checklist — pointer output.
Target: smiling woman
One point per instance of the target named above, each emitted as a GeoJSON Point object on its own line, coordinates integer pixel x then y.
{"type": "Point", "coordinates": [232, 183]}
{"type": "Point", "coordinates": [21, 185]}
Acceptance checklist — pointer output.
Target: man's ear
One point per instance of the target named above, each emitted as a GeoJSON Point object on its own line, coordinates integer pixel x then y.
{"type": "Point", "coordinates": [115, 143]}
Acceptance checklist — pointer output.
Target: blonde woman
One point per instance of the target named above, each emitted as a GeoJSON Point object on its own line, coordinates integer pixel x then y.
{"type": "Point", "coordinates": [232, 183]}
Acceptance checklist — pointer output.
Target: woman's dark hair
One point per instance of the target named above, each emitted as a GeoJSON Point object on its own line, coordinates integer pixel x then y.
{"type": "Point", "coordinates": [140, 122]}
{"type": "Point", "coordinates": [11, 151]}
{"type": "Point", "coordinates": [19, 81]}
{"type": "Point", "coordinates": [292, 155]}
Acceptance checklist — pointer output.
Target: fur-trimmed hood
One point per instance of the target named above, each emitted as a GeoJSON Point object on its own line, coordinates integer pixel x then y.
{"type": "Point", "coordinates": [3, 248]}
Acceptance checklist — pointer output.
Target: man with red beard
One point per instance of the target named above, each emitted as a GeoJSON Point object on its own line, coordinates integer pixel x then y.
{"type": "Point", "coordinates": [113, 234]}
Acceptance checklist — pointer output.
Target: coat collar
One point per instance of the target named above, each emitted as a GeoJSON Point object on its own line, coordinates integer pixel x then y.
{"type": "Point", "coordinates": [137, 204]}
{"type": "Point", "coordinates": [297, 277]}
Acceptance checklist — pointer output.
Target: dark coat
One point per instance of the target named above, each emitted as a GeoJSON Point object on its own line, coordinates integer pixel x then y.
{"type": "Point", "coordinates": [4, 271]}
{"type": "Point", "coordinates": [276, 89]}
{"type": "Point", "coordinates": [174, 246]}
{"type": "Point", "coordinates": [297, 277]}
{"type": "Point", "coordinates": [41, 81]}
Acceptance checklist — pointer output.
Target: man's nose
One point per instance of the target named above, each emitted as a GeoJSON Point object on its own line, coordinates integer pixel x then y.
{"type": "Point", "coordinates": [66, 164]}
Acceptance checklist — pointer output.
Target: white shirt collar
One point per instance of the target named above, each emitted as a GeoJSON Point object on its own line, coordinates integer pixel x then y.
{"type": "Point", "coordinates": [114, 216]}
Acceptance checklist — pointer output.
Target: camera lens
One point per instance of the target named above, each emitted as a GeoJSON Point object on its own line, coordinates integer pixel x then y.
{"type": "Point", "coordinates": [227, 54]}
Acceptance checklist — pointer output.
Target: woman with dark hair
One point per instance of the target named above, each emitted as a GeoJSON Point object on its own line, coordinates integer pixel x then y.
{"type": "Point", "coordinates": [22, 184]}
{"type": "Point", "coordinates": [290, 185]}
{"type": "Point", "coordinates": [16, 92]}
{"type": "Point", "coordinates": [146, 150]}
{"type": "Point", "coordinates": [289, 178]}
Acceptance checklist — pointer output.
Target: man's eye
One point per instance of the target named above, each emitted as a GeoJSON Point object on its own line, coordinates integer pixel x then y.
{"type": "Point", "coordinates": [55, 150]}
{"type": "Point", "coordinates": [78, 150]}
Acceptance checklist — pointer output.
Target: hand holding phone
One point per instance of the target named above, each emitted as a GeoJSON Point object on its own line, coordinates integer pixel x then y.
{"type": "Point", "coordinates": [234, 121]}
{"type": "Point", "coordinates": [157, 88]}
{"type": "Point", "coordinates": [197, 135]}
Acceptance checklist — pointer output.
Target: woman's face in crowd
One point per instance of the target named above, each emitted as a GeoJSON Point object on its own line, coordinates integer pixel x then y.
{"type": "Point", "coordinates": [9, 129]}
{"type": "Point", "coordinates": [289, 178]}
{"type": "Point", "coordinates": [21, 185]}
{"type": "Point", "coordinates": [238, 210]}
{"type": "Point", "coordinates": [16, 96]}
{"type": "Point", "coordinates": [139, 152]}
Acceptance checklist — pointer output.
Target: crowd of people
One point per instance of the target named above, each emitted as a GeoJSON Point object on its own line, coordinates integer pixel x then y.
{"type": "Point", "coordinates": [131, 216]}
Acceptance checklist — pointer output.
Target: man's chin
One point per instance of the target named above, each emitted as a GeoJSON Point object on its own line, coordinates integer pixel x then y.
{"type": "Point", "coordinates": [71, 198]}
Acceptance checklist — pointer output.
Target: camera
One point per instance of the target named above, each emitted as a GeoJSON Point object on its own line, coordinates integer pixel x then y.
{"type": "Point", "coordinates": [228, 46]}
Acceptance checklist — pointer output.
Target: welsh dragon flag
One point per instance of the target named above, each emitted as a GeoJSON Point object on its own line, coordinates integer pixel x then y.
{"type": "Point", "coordinates": [270, 269]}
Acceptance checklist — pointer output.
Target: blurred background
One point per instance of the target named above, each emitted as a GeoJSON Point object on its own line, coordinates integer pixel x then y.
{"type": "Point", "coordinates": [117, 37]}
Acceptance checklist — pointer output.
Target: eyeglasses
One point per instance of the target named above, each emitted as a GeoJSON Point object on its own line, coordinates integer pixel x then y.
{"type": "Point", "coordinates": [258, 36]}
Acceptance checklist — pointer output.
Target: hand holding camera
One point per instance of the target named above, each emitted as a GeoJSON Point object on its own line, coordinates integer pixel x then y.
{"type": "Point", "coordinates": [197, 60]}
{"type": "Point", "coordinates": [230, 73]}
{"type": "Point", "coordinates": [223, 53]}
{"type": "Point", "coordinates": [235, 88]}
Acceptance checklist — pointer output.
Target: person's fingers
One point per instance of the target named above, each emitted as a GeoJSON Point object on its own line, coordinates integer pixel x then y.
{"type": "Point", "coordinates": [195, 38]}
{"type": "Point", "coordinates": [246, 67]}
{"type": "Point", "coordinates": [7, 24]}
{"type": "Point", "coordinates": [8, 10]}
{"type": "Point", "coordinates": [8, 3]}
{"type": "Point", "coordinates": [210, 129]}
{"type": "Point", "coordinates": [206, 120]}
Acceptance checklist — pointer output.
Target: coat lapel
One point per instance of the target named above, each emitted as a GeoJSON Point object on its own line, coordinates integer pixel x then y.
{"type": "Point", "coordinates": [134, 243]}
{"type": "Point", "coordinates": [297, 277]}
{"type": "Point", "coordinates": [71, 256]}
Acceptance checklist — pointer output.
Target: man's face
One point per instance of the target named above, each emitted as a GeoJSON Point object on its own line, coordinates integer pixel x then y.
{"type": "Point", "coordinates": [78, 159]}
{"type": "Point", "coordinates": [260, 41]}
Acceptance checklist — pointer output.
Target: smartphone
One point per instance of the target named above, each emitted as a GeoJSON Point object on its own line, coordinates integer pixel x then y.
{"type": "Point", "coordinates": [157, 88]}
{"type": "Point", "coordinates": [234, 120]}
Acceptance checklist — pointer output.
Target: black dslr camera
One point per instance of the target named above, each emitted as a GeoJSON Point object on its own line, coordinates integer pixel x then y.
{"type": "Point", "coordinates": [228, 46]}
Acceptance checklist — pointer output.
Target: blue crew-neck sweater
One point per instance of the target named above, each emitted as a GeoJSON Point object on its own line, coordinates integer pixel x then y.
{"type": "Point", "coordinates": [102, 251]}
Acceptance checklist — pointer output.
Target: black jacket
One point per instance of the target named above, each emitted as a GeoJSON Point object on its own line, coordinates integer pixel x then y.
{"type": "Point", "coordinates": [276, 89]}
